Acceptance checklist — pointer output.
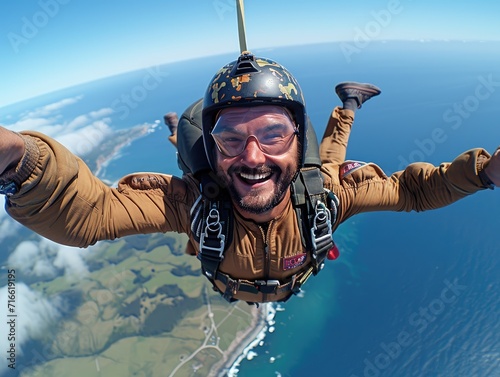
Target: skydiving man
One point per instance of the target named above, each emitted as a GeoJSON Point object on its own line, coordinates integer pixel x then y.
{"type": "Point", "coordinates": [259, 204]}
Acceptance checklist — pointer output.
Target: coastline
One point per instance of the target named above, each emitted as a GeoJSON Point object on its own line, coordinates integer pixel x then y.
{"type": "Point", "coordinates": [245, 342]}
{"type": "Point", "coordinates": [111, 149]}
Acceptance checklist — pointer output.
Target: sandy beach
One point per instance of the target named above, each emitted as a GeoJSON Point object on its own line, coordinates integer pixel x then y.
{"type": "Point", "coordinates": [244, 342]}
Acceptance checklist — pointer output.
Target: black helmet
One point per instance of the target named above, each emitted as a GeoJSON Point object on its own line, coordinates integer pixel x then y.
{"type": "Point", "coordinates": [253, 81]}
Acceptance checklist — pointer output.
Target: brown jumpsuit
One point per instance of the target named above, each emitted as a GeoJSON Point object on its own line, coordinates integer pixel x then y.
{"type": "Point", "coordinates": [60, 199]}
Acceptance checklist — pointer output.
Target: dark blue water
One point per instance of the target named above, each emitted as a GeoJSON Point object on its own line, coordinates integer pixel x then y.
{"type": "Point", "coordinates": [412, 294]}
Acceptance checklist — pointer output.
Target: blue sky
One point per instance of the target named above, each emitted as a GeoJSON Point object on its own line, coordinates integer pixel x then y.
{"type": "Point", "coordinates": [47, 45]}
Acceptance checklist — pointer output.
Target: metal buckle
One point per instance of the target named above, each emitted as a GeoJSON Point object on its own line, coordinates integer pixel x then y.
{"type": "Point", "coordinates": [219, 249]}
{"type": "Point", "coordinates": [322, 216]}
{"type": "Point", "coordinates": [267, 286]}
{"type": "Point", "coordinates": [232, 287]}
{"type": "Point", "coordinates": [214, 226]}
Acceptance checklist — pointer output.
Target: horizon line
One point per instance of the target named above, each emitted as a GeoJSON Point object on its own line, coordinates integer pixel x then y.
{"type": "Point", "coordinates": [126, 71]}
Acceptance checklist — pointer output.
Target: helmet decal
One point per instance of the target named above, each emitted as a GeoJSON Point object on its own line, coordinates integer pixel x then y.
{"type": "Point", "coordinates": [287, 90]}
{"type": "Point", "coordinates": [215, 91]}
{"type": "Point", "coordinates": [265, 62]}
{"type": "Point", "coordinates": [237, 81]}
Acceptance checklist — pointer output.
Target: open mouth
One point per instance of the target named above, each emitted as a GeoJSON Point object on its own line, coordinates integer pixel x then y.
{"type": "Point", "coordinates": [255, 178]}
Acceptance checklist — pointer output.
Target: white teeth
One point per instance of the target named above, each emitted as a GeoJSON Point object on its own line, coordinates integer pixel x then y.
{"type": "Point", "coordinates": [255, 177]}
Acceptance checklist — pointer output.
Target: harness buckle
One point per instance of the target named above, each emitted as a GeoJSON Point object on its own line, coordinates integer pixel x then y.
{"type": "Point", "coordinates": [267, 286]}
{"type": "Point", "coordinates": [322, 219]}
{"type": "Point", "coordinates": [212, 241]}
{"type": "Point", "coordinates": [219, 249]}
{"type": "Point", "coordinates": [232, 287]}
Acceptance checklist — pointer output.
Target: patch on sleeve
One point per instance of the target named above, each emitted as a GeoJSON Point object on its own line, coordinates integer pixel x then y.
{"type": "Point", "coordinates": [349, 166]}
{"type": "Point", "coordinates": [295, 261]}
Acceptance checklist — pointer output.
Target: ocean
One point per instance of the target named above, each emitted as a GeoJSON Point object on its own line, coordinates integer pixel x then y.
{"type": "Point", "coordinates": [411, 294]}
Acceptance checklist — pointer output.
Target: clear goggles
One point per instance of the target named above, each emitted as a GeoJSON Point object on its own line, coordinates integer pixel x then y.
{"type": "Point", "coordinates": [273, 132]}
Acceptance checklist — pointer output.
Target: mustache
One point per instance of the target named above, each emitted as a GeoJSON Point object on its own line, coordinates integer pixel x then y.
{"type": "Point", "coordinates": [265, 169]}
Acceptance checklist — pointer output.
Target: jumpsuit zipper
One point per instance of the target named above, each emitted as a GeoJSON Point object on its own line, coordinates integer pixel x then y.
{"type": "Point", "coordinates": [267, 257]}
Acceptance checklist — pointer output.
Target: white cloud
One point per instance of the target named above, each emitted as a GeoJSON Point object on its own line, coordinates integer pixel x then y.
{"type": "Point", "coordinates": [29, 124]}
{"type": "Point", "coordinates": [63, 103]}
{"type": "Point", "coordinates": [24, 255]}
{"type": "Point", "coordinates": [43, 268]}
{"type": "Point", "coordinates": [46, 259]}
{"type": "Point", "coordinates": [78, 122]}
{"type": "Point", "coordinates": [80, 135]}
{"type": "Point", "coordinates": [85, 119]}
{"type": "Point", "coordinates": [35, 313]}
{"type": "Point", "coordinates": [101, 113]}
{"type": "Point", "coordinates": [8, 227]}
{"type": "Point", "coordinates": [47, 110]}
{"type": "Point", "coordinates": [32, 260]}
{"type": "Point", "coordinates": [84, 140]}
{"type": "Point", "coordinates": [71, 261]}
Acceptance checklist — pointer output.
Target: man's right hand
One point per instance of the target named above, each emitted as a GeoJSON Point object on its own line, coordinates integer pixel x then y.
{"type": "Point", "coordinates": [11, 149]}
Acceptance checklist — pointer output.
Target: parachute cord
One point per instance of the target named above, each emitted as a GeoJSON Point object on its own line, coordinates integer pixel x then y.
{"type": "Point", "coordinates": [241, 25]}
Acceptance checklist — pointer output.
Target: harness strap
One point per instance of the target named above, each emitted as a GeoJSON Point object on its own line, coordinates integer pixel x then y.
{"type": "Point", "coordinates": [311, 200]}
{"type": "Point", "coordinates": [214, 238]}
{"type": "Point", "coordinates": [212, 244]}
{"type": "Point", "coordinates": [233, 286]}
{"type": "Point", "coordinates": [212, 226]}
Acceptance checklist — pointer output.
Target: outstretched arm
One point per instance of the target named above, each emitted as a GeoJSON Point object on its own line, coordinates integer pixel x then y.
{"type": "Point", "coordinates": [62, 200]}
{"type": "Point", "coordinates": [420, 187]}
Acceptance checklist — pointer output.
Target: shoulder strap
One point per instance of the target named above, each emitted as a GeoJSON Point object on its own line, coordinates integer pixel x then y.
{"type": "Point", "coordinates": [212, 226]}
{"type": "Point", "coordinates": [312, 205]}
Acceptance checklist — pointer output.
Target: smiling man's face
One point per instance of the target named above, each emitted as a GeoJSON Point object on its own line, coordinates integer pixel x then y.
{"type": "Point", "coordinates": [257, 158]}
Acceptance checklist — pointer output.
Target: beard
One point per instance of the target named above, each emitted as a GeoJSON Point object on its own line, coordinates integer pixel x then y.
{"type": "Point", "coordinates": [259, 200]}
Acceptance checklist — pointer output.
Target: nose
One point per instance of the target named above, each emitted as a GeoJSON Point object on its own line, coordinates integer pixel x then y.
{"type": "Point", "coordinates": [252, 156]}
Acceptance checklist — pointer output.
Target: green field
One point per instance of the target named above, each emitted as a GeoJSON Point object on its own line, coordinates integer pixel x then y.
{"type": "Point", "coordinates": [135, 314]}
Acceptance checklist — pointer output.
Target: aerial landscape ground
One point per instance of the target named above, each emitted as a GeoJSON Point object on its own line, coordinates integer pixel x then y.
{"type": "Point", "coordinates": [143, 310]}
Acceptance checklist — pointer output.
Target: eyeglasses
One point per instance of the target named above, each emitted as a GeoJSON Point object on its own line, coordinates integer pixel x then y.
{"type": "Point", "coordinates": [274, 138]}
